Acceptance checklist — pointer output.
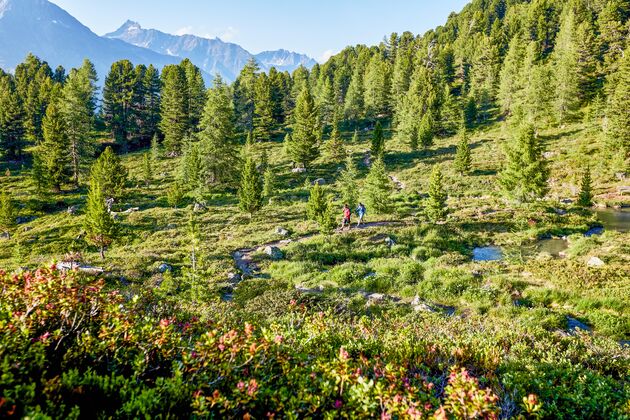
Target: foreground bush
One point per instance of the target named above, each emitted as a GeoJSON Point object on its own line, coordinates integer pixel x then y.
{"type": "Point", "coordinates": [69, 348]}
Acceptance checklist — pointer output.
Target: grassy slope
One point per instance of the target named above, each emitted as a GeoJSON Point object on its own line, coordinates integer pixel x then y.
{"type": "Point", "coordinates": [544, 288]}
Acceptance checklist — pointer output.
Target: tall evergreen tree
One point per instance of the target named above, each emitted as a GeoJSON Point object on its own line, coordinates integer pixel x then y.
{"type": "Point", "coordinates": [378, 142]}
{"type": "Point", "coordinates": [618, 110]}
{"type": "Point", "coordinates": [335, 147]}
{"type": "Point", "coordinates": [119, 96]}
{"type": "Point", "coordinates": [303, 147]}
{"type": "Point", "coordinates": [99, 225]}
{"type": "Point", "coordinates": [148, 113]}
{"type": "Point", "coordinates": [147, 169]}
{"type": "Point", "coordinates": [407, 113]}
{"type": "Point", "coordinates": [426, 130]}
{"type": "Point", "coordinates": [195, 93]}
{"type": "Point", "coordinates": [220, 156]}
{"type": "Point", "coordinates": [436, 205]}
{"type": "Point", "coordinates": [33, 80]}
{"type": "Point", "coordinates": [244, 88]}
{"type": "Point", "coordinates": [317, 203]}
{"type": "Point", "coordinates": [269, 183]}
{"type": "Point", "coordinates": [12, 118]}
{"type": "Point", "coordinates": [53, 152]}
{"type": "Point", "coordinates": [525, 175]}
{"type": "Point", "coordinates": [110, 174]}
{"type": "Point", "coordinates": [174, 119]}
{"type": "Point", "coordinates": [463, 159]}
{"type": "Point", "coordinates": [263, 108]}
{"type": "Point", "coordinates": [191, 174]}
{"type": "Point", "coordinates": [510, 80]}
{"type": "Point", "coordinates": [250, 191]}
{"type": "Point", "coordinates": [566, 69]}
{"type": "Point", "coordinates": [354, 106]}
{"type": "Point", "coordinates": [377, 87]}
{"type": "Point", "coordinates": [79, 104]}
{"type": "Point", "coordinates": [378, 188]}
{"type": "Point", "coordinates": [585, 198]}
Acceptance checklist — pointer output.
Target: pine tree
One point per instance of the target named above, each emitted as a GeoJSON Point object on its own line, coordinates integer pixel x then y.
{"type": "Point", "coordinates": [436, 205]}
{"type": "Point", "coordinates": [110, 174]}
{"type": "Point", "coordinates": [244, 95]}
{"type": "Point", "coordinates": [618, 109]}
{"type": "Point", "coordinates": [250, 191]}
{"type": "Point", "coordinates": [119, 94]}
{"type": "Point", "coordinates": [79, 104]}
{"type": "Point", "coordinates": [510, 81]}
{"type": "Point", "coordinates": [377, 87]}
{"type": "Point", "coordinates": [354, 107]}
{"type": "Point", "coordinates": [378, 142]}
{"type": "Point", "coordinates": [326, 221]}
{"type": "Point", "coordinates": [463, 159]}
{"type": "Point", "coordinates": [407, 119]}
{"type": "Point", "coordinates": [470, 113]}
{"type": "Point", "coordinates": [12, 120]}
{"type": "Point", "coordinates": [378, 188]}
{"type": "Point", "coordinates": [317, 203]}
{"type": "Point", "coordinates": [525, 175]}
{"type": "Point", "coordinates": [426, 130]}
{"type": "Point", "coordinates": [33, 81]}
{"type": "Point", "coordinates": [175, 194]}
{"type": "Point", "coordinates": [99, 225]}
{"type": "Point", "coordinates": [8, 212]}
{"type": "Point", "coordinates": [335, 147]}
{"type": "Point", "coordinates": [53, 152]}
{"type": "Point", "coordinates": [263, 108]}
{"type": "Point", "coordinates": [348, 184]}
{"type": "Point", "coordinates": [147, 169]}
{"type": "Point", "coordinates": [220, 155]}
{"type": "Point", "coordinates": [148, 111]}
{"type": "Point", "coordinates": [195, 93]}
{"type": "Point", "coordinates": [192, 170]}
{"type": "Point", "coordinates": [174, 120]}
{"type": "Point", "coordinates": [303, 147]}
{"type": "Point", "coordinates": [585, 199]}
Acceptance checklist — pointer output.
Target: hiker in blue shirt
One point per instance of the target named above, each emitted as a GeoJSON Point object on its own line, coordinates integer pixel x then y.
{"type": "Point", "coordinates": [360, 213]}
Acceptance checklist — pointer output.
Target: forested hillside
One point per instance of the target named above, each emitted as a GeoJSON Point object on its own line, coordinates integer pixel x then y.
{"type": "Point", "coordinates": [174, 249]}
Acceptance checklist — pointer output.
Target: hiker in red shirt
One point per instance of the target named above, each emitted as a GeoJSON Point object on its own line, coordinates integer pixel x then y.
{"type": "Point", "coordinates": [346, 216]}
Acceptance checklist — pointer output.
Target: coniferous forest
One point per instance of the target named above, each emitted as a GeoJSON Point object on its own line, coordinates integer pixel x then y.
{"type": "Point", "coordinates": [174, 249]}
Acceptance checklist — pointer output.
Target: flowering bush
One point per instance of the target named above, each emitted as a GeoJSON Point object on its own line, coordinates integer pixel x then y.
{"type": "Point", "coordinates": [69, 347]}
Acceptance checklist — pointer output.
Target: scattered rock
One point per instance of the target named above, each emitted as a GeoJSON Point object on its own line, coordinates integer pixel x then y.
{"type": "Point", "coordinates": [282, 231]}
{"type": "Point", "coordinates": [574, 325]}
{"type": "Point", "coordinates": [560, 212]}
{"type": "Point", "coordinates": [234, 278]}
{"type": "Point", "coordinates": [298, 170]}
{"type": "Point", "coordinates": [199, 207]}
{"type": "Point", "coordinates": [72, 265]}
{"type": "Point", "coordinates": [319, 181]}
{"type": "Point", "coordinates": [27, 228]}
{"type": "Point", "coordinates": [274, 252]}
{"type": "Point", "coordinates": [549, 155]}
{"type": "Point", "coordinates": [171, 226]}
{"type": "Point", "coordinates": [423, 307]}
{"type": "Point", "coordinates": [566, 201]}
{"type": "Point", "coordinates": [595, 262]}
{"type": "Point", "coordinates": [25, 219]}
{"type": "Point", "coordinates": [307, 290]}
{"type": "Point", "coordinates": [390, 242]}
{"type": "Point", "coordinates": [621, 176]}
{"type": "Point", "coordinates": [376, 297]}
{"type": "Point", "coordinates": [625, 190]}
{"type": "Point", "coordinates": [163, 268]}
{"type": "Point", "coordinates": [5, 235]}
{"type": "Point", "coordinates": [72, 210]}
{"type": "Point", "coordinates": [416, 301]}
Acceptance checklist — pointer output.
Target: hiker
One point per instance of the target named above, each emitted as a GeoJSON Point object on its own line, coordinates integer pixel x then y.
{"type": "Point", "coordinates": [360, 213]}
{"type": "Point", "coordinates": [346, 216]}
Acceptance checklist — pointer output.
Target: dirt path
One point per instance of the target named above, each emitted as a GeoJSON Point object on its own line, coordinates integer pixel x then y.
{"type": "Point", "coordinates": [243, 257]}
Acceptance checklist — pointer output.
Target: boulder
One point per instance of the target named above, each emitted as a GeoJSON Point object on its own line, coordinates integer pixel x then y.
{"type": "Point", "coordinates": [376, 297]}
{"type": "Point", "coordinates": [319, 181]}
{"type": "Point", "coordinates": [171, 226]}
{"type": "Point", "coordinates": [623, 190]}
{"type": "Point", "coordinates": [423, 307]}
{"type": "Point", "coordinates": [274, 252]}
{"type": "Point", "coordinates": [5, 235]}
{"type": "Point", "coordinates": [199, 207]}
{"type": "Point", "coordinates": [163, 268]}
{"type": "Point", "coordinates": [560, 212]}
{"type": "Point", "coordinates": [566, 201]}
{"type": "Point", "coordinates": [298, 170]}
{"type": "Point", "coordinates": [72, 210]}
{"type": "Point", "coordinates": [621, 176]}
{"type": "Point", "coordinates": [595, 262]}
{"type": "Point", "coordinates": [282, 231]}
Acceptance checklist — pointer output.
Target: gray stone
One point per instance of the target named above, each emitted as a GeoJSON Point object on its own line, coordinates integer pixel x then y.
{"type": "Point", "coordinates": [319, 181]}
{"type": "Point", "coordinates": [171, 226]}
{"type": "Point", "coordinates": [274, 252]}
{"type": "Point", "coordinates": [623, 190]}
{"type": "Point", "coordinates": [595, 262]}
{"type": "Point", "coordinates": [25, 219]}
{"type": "Point", "coordinates": [163, 268]}
{"type": "Point", "coordinates": [298, 170]}
{"type": "Point", "coordinates": [234, 278]}
{"type": "Point", "coordinates": [199, 207]}
{"type": "Point", "coordinates": [560, 212]}
{"type": "Point", "coordinates": [72, 210]}
{"type": "Point", "coordinates": [376, 297]}
{"type": "Point", "coordinates": [423, 307]}
{"type": "Point", "coordinates": [5, 235]}
{"type": "Point", "coordinates": [566, 201]}
{"type": "Point", "coordinates": [573, 325]}
{"type": "Point", "coordinates": [621, 176]}
{"type": "Point", "coordinates": [282, 231]}
{"type": "Point", "coordinates": [390, 242]}
{"type": "Point", "coordinates": [416, 301]}
{"type": "Point", "coordinates": [549, 155]}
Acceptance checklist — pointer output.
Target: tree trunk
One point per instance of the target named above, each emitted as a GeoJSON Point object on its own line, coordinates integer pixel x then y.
{"type": "Point", "coordinates": [102, 252]}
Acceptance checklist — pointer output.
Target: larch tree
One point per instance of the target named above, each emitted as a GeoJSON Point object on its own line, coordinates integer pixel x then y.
{"type": "Point", "coordinates": [110, 174]}
{"type": "Point", "coordinates": [53, 151]}
{"type": "Point", "coordinates": [618, 110]}
{"type": "Point", "coordinates": [348, 183]}
{"type": "Point", "coordinates": [335, 147]}
{"type": "Point", "coordinates": [119, 94]}
{"type": "Point", "coordinates": [195, 93]}
{"type": "Point", "coordinates": [12, 133]}
{"type": "Point", "coordinates": [263, 108]}
{"type": "Point", "coordinates": [100, 227]}
{"type": "Point", "coordinates": [566, 69]}
{"type": "Point", "coordinates": [378, 142]}
{"type": "Point", "coordinates": [585, 198]}
{"type": "Point", "coordinates": [463, 160]}
{"type": "Point", "coordinates": [8, 212]}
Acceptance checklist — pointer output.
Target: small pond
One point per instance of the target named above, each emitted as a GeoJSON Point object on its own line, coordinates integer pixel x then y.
{"type": "Point", "coordinates": [487, 253]}
{"type": "Point", "coordinates": [612, 219]}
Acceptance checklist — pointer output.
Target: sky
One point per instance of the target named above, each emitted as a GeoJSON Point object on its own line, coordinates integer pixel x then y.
{"type": "Point", "coordinates": [318, 28]}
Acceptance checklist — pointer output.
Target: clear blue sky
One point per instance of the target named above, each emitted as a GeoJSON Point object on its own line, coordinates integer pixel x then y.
{"type": "Point", "coordinates": [317, 27]}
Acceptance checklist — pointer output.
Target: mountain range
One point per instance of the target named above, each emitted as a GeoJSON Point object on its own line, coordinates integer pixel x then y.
{"type": "Point", "coordinates": [46, 30]}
